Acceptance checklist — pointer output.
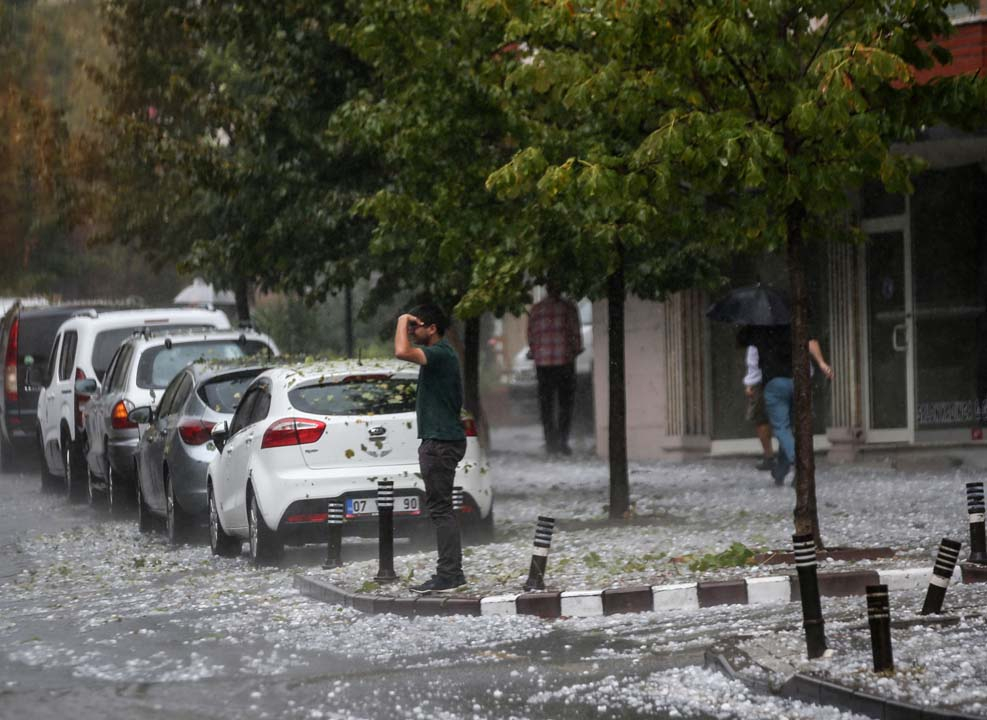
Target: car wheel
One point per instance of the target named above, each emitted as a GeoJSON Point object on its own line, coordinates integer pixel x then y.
{"type": "Point", "coordinates": [145, 523]}
{"type": "Point", "coordinates": [266, 548]}
{"type": "Point", "coordinates": [91, 487]}
{"type": "Point", "coordinates": [49, 481]}
{"type": "Point", "coordinates": [112, 492]}
{"type": "Point", "coordinates": [479, 531]}
{"type": "Point", "coordinates": [176, 521]}
{"type": "Point", "coordinates": [74, 472]}
{"type": "Point", "coordinates": [221, 544]}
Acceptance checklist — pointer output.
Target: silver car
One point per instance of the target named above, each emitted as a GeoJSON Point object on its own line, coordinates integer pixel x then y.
{"type": "Point", "coordinates": [175, 446]}
{"type": "Point", "coordinates": [140, 370]}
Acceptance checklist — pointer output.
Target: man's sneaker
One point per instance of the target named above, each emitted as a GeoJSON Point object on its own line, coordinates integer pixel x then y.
{"type": "Point", "coordinates": [767, 463]}
{"type": "Point", "coordinates": [438, 584]}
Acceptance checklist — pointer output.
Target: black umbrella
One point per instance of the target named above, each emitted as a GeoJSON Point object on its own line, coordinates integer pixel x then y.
{"type": "Point", "coordinates": [752, 305]}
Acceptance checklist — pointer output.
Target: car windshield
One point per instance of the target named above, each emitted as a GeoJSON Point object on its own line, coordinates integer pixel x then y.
{"type": "Point", "coordinates": [158, 365]}
{"type": "Point", "coordinates": [223, 394]}
{"type": "Point", "coordinates": [107, 342]}
{"type": "Point", "coordinates": [356, 396]}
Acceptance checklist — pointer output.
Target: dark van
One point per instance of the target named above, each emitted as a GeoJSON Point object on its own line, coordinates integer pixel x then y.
{"type": "Point", "coordinates": [26, 334]}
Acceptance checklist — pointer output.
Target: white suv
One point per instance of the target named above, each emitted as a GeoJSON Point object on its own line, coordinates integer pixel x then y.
{"type": "Point", "coordinates": [82, 349]}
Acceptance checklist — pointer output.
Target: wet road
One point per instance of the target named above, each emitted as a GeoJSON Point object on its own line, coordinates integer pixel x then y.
{"type": "Point", "coordinates": [97, 620]}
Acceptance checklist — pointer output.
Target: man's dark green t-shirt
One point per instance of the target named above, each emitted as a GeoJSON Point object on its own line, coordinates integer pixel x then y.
{"type": "Point", "coordinates": [440, 394]}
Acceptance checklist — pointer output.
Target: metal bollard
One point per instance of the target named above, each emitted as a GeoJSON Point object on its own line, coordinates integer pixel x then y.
{"type": "Point", "coordinates": [457, 498]}
{"type": "Point", "coordinates": [949, 553]}
{"type": "Point", "coordinates": [385, 532]}
{"type": "Point", "coordinates": [975, 509]}
{"type": "Point", "coordinates": [812, 619]}
{"type": "Point", "coordinates": [539, 556]}
{"type": "Point", "coordinates": [879, 617]}
{"type": "Point", "coordinates": [334, 550]}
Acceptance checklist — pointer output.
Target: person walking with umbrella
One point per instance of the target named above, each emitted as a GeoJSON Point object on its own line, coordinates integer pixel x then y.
{"type": "Point", "coordinates": [767, 312]}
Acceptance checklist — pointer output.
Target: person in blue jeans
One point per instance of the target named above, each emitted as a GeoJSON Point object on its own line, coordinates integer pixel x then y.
{"type": "Point", "coordinates": [774, 347]}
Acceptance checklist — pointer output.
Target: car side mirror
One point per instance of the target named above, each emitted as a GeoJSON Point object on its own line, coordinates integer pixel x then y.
{"type": "Point", "coordinates": [86, 387]}
{"type": "Point", "coordinates": [140, 415]}
{"type": "Point", "coordinates": [220, 433]}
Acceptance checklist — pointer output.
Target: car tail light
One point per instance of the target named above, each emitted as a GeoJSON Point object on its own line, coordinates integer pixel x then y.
{"type": "Point", "coordinates": [469, 426]}
{"type": "Point", "coordinates": [81, 400]}
{"type": "Point", "coordinates": [118, 417]}
{"type": "Point", "coordinates": [10, 364]}
{"type": "Point", "coordinates": [194, 431]}
{"type": "Point", "coordinates": [293, 431]}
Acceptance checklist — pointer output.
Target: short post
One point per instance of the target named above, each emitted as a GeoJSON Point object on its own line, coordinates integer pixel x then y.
{"type": "Point", "coordinates": [812, 620]}
{"type": "Point", "coordinates": [949, 553]}
{"type": "Point", "coordinates": [334, 550]}
{"type": "Point", "coordinates": [879, 617]}
{"type": "Point", "coordinates": [975, 509]}
{"type": "Point", "coordinates": [457, 498]}
{"type": "Point", "coordinates": [385, 532]}
{"type": "Point", "coordinates": [539, 556]}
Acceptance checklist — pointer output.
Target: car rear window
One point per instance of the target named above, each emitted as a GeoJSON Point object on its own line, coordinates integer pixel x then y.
{"type": "Point", "coordinates": [107, 342]}
{"type": "Point", "coordinates": [34, 336]}
{"type": "Point", "coordinates": [223, 394]}
{"type": "Point", "coordinates": [362, 396]}
{"type": "Point", "coordinates": [158, 365]}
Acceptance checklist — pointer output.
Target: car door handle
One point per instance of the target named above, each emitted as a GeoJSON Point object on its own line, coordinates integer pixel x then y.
{"type": "Point", "coordinates": [67, 391]}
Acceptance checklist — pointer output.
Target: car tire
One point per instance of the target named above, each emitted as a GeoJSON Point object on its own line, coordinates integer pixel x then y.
{"type": "Point", "coordinates": [221, 544]}
{"type": "Point", "coordinates": [7, 463]}
{"type": "Point", "coordinates": [480, 531]}
{"type": "Point", "coordinates": [266, 548]}
{"type": "Point", "coordinates": [74, 470]}
{"type": "Point", "coordinates": [113, 504]}
{"type": "Point", "coordinates": [145, 521]}
{"type": "Point", "coordinates": [50, 483]}
{"type": "Point", "coordinates": [177, 522]}
{"type": "Point", "coordinates": [92, 494]}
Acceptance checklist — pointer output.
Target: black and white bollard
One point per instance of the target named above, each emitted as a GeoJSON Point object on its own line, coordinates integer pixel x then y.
{"type": "Point", "coordinates": [385, 532]}
{"type": "Point", "coordinates": [334, 550]}
{"type": "Point", "coordinates": [457, 498]}
{"type": "Point", "coordinates": [975, 509]}
{"type": "Point", "coordinates": [812, 620]}
{"type": "Point", "coordinates": [949, 553]}
{"type": "Point", "coordinates": [539, 556]}
{"type": "Point", "coordinates": [879, 617]}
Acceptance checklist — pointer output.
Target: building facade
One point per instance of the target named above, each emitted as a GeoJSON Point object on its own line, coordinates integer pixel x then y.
{"type": "Point", "coordinates": [902, 320]}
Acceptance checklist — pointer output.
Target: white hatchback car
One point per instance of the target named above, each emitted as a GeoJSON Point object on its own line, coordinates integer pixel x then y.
{"type": "Point", "coordinates": [304, 435]}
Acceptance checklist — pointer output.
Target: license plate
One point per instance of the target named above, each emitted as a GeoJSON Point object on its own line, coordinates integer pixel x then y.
{"type": "Point", "coordinates": [367, 507]}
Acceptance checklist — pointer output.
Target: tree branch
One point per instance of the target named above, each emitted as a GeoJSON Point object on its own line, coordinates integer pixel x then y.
{"type": "Point", "coordinates": [825, 36]}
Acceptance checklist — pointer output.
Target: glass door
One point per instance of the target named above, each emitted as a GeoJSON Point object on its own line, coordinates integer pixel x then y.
{"type": "Point", "coordinates": [889, 331]}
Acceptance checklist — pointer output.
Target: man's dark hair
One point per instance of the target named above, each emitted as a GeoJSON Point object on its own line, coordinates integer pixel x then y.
{"type": "Point", "coordinates": [431, 314]}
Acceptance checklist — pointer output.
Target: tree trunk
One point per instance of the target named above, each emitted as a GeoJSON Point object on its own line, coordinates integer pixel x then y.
{"type": "Point", "coordinates": [471, 377]}
{"type": "Point", "coordinates": [806, 515]}
{"type": "Point", "coordinates": [348, 321]}
{"type": "Point", "coordinates": [242, 301]}
{"type": "Point", "coordinates": [619, 488]}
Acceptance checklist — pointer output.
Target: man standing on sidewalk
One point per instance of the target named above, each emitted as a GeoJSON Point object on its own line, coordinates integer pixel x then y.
{"type": "Point", "coordinates": [420, 338]}
{"type": "Point", "coordinates": [555, 339]}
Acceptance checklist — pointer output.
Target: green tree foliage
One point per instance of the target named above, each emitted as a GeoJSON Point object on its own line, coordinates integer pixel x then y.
{"type": "Point", "coordinates": [222, 158]}
{"type": "Point", "coordinates": [689, 129]}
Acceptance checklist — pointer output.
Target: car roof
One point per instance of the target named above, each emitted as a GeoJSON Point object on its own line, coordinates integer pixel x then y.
{"type": "Point", "coordinates": [151, 337]}
{"type": "Point", "coordinates": [203, 372]}
{"type": "Point", "coordinates": [334, 370]}
{"type": "Point", "coordinates": [151, 317]}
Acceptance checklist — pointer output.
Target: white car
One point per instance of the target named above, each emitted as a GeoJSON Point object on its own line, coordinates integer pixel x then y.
{"type": "Point", "coordinates": [304, 435]}
{"type": "Point", "coordinates": [82, 350]}
{"type": "Point", "coordinates": [143, 366]}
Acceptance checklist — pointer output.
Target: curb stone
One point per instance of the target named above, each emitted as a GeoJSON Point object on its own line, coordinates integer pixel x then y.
{"type": "Point", "coordinates": [773, 589]}
{"type": "Point", "coordinates": [806, 688]}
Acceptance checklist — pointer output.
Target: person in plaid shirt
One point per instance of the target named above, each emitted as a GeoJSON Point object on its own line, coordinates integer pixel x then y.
{"type": "Point", "coordinates": [555, 339]}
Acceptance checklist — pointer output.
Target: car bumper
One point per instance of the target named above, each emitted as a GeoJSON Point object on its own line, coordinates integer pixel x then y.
{"type": "Point", "coordinates": [121, 456]}
{"type": "Point", "coordinates": [187, 469]}
{"type": "Point", "coordinates": [279, 493]}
